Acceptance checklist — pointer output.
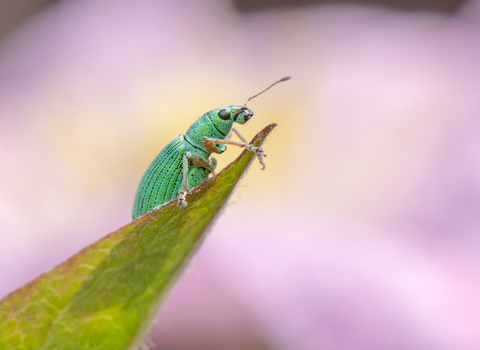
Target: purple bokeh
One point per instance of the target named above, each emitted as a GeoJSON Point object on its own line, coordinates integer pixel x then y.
{"type": "Point", "coordinates": [363, 232]}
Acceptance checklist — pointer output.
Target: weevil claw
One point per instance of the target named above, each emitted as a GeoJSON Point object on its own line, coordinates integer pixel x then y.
{"type": "Point", "coordinates": [259, 152]}
{"type": "Point", "coordinates": [181, 202]}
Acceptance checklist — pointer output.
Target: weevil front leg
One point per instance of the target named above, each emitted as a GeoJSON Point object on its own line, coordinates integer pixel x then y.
{"type": "Point", "coordinates": [210, 144]}
{"type": "Point", "coordinates": [239, 135]}
{"type": "Point", "coordinates": [198, 161]}
{"type": "Point", "coordinates": [259, 152]}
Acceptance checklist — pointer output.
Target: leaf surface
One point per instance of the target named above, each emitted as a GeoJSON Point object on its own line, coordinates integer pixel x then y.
{"type": "Point", "coordinates": [106, 296]}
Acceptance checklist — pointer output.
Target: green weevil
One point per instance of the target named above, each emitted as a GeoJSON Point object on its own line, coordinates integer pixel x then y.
{"type": "Point", "coordinates": [186, 161]}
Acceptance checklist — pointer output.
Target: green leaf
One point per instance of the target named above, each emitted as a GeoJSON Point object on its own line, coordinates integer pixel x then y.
{"type": "Point", "coordinates": [106, 296]}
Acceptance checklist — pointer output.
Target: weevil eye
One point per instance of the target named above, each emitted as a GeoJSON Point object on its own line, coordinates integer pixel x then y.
{"type": "Point", "coordinates": [224, 114]}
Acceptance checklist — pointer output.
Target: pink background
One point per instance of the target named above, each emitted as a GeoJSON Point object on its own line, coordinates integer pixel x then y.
{"type": "Point", "coordinates": [362, 233]}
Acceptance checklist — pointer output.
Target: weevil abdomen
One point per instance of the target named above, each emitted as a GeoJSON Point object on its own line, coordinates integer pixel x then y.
{"type": "Point", "coordinates": [163, 179]}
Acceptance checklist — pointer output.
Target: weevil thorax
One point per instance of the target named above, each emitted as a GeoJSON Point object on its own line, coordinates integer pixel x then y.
{"type": "Point", "coordinates": [217, 123]}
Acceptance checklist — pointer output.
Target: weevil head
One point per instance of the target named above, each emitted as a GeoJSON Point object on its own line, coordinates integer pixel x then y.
{"type": "Point", "coordinates": [224, 117]}
{"type": "Point", "coordinates": [217, 123]}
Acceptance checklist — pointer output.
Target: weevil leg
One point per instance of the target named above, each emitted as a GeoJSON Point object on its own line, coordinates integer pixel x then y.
{"type": "Point", "coordinates": [211, 165]}
{"type": "Point", "coordinates": [213, 146]}
{"type": "Point", "coordinates": [198, 161]}
{"type": "Point", "coordinates": [239, 135]}
{"type": "Point", "coordinates": [259, 152]}
{"type": "Point", "coordinates": [181, 202]}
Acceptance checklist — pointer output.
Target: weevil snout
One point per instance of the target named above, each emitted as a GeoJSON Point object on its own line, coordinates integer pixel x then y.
{"type": "Point", "coordinates": [242, 115]}
{"type": "Point", "coordinates": [247, 116]}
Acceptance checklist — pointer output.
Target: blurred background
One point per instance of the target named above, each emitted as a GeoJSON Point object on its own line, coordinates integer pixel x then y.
{"type": "Point", "coordinates": [364, 230]}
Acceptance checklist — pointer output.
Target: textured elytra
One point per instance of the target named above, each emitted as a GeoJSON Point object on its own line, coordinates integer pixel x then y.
{"type": "Point", "coordinates": [163, 178]}
{"type": "Point", "coordinates": [106, 296]}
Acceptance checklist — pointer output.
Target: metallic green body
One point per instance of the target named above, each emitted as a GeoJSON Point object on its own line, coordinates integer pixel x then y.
{"type": "Point", "coordinates": [163, 179]}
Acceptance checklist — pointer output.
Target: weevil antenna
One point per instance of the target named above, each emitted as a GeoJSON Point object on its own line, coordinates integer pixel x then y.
{"type": "Point", "coordinates": [261, 92]}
